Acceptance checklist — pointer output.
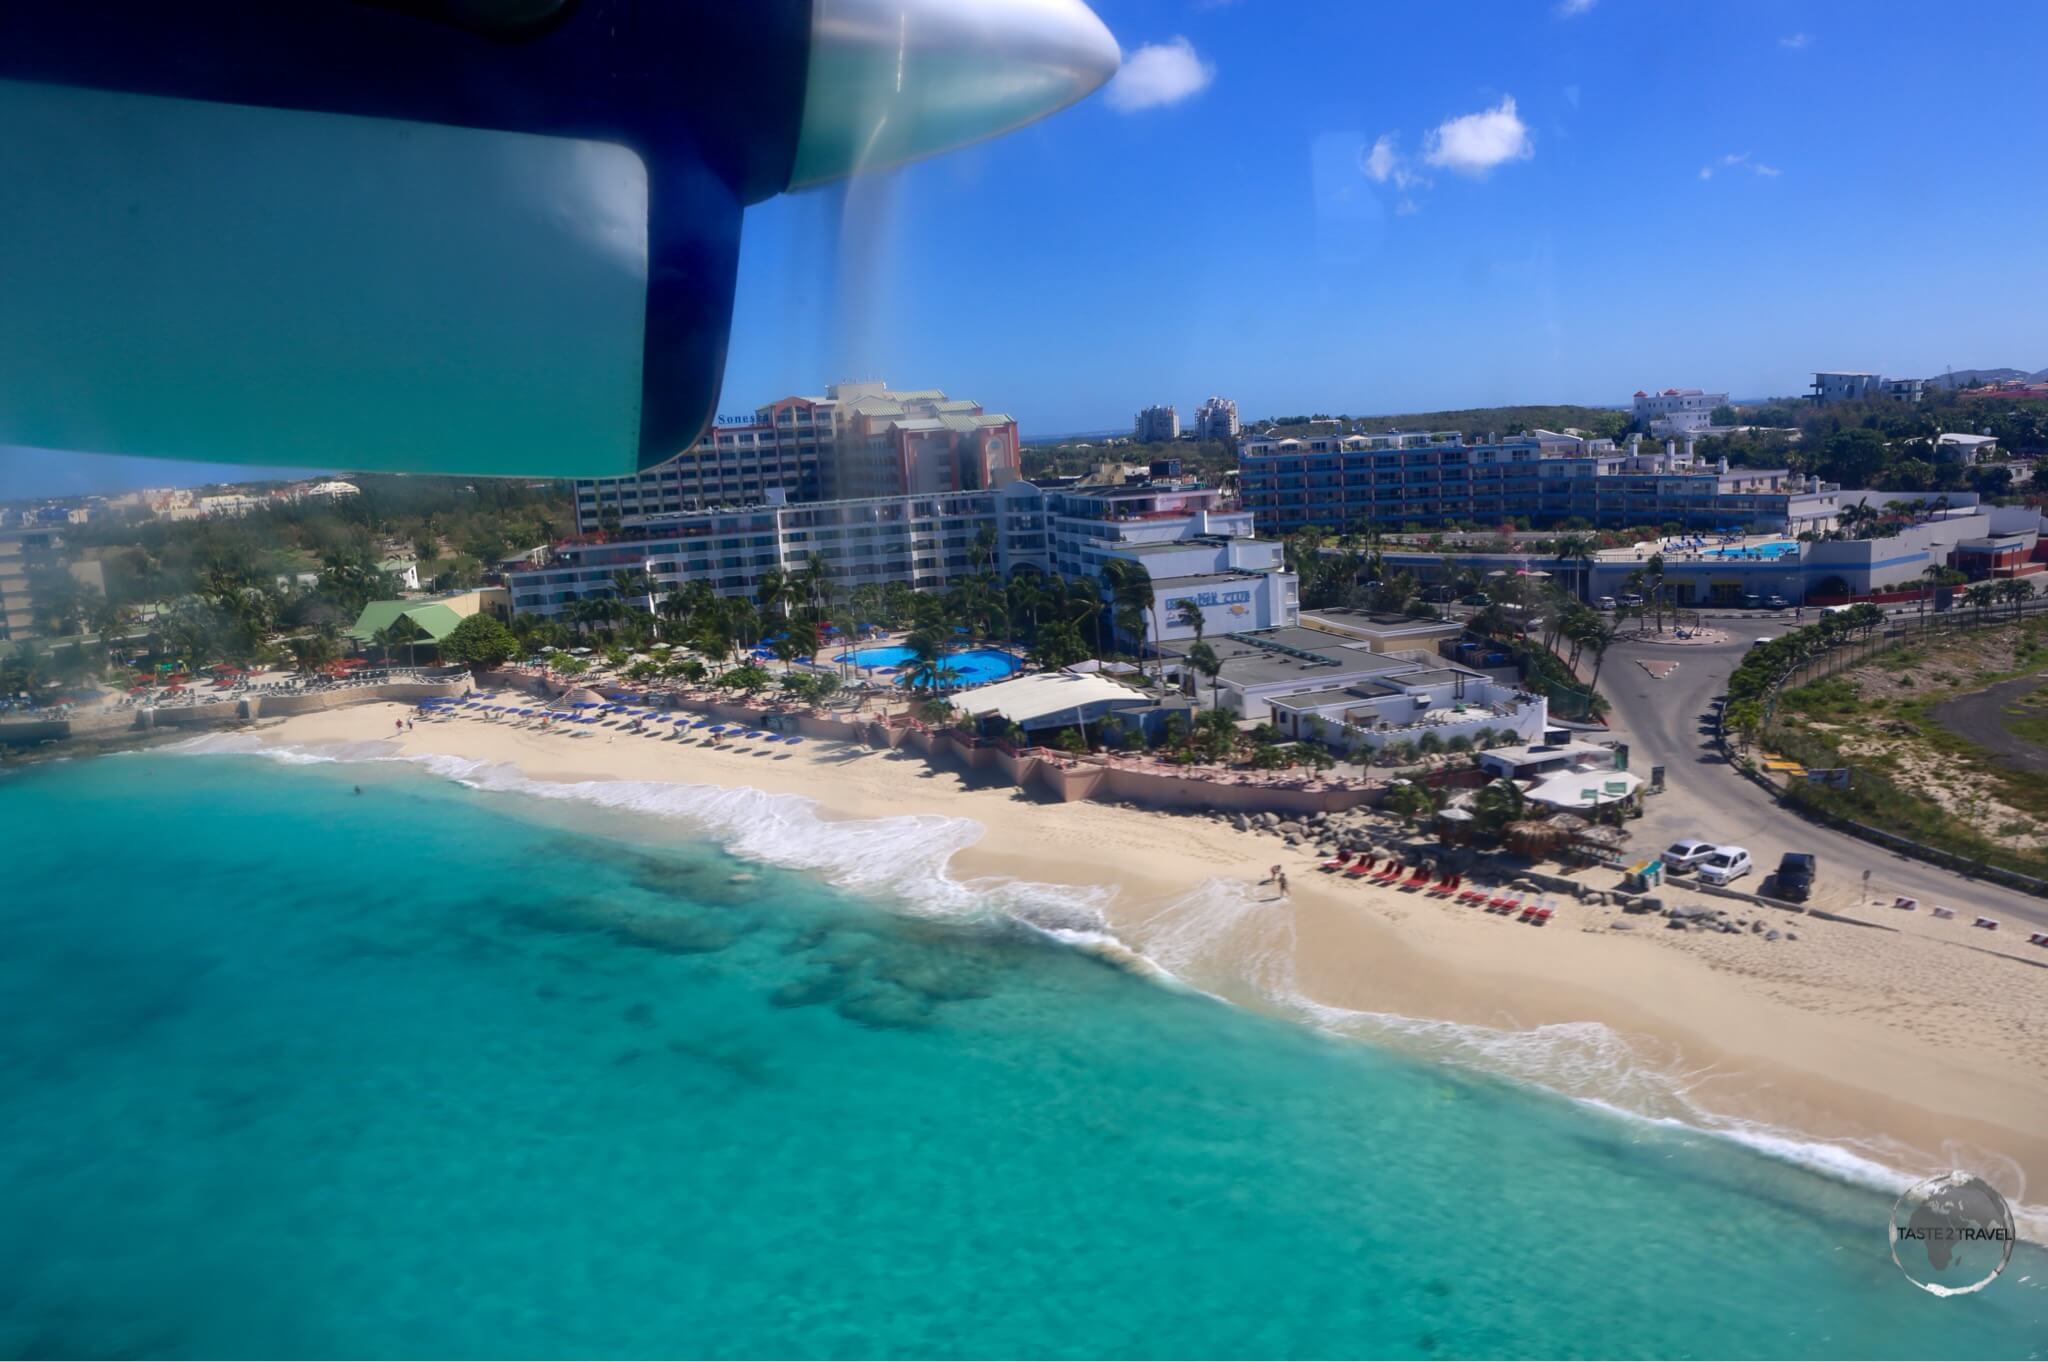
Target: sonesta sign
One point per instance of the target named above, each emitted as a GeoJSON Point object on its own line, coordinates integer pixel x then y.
{"type": "Point", "coordinates": [1206, 598]}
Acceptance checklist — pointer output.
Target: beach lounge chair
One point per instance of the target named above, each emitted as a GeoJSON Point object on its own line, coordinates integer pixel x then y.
{"type": "Point", "coordinates": [1338, 862]}
{"type": "Point", "coordinates": [1499, 901]}
{"type": "Point", "coordinates": [1542, 916]}
{"type": "Point", "coordinates": [1390, 873]}
{"type": "Point", "coordinates": [1420, 877]}
{"type": "Point", "coordinates": [2037, 938]}
{"type": "Point", "coordinates": [1940, 911]}
{"type": "Point", "coordinates": [1905, 903]}
{"type": "Point", "coordinates": [1361, 867]}
{"type": "Point", "coordinates": [1989, 924]}
{"type": "Point", "coordinates": [1472, 896]}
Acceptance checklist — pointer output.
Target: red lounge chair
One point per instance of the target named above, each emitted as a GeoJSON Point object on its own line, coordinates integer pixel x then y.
{"type": "Point", "coordinates": [2037, 938]}
{"type": "Point", "coordinates": [1336, 863]}
{"type": "Point", "coordinates": [1420, 877]}
{"type": "Point", "coordinates": [1391, 873]}
{"type": "Point", "coordinates": [1361, 867]}
{"type": "Point", "coordinates": [1500, 902]}
{"type": "Point", "coordinates": [1472, 896]}
{"type": "Point", "coordinates": [1541, 916]}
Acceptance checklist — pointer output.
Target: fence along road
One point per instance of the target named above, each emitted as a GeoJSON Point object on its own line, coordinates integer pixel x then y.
{"type": "Point", "coordinates": [1672, 723]}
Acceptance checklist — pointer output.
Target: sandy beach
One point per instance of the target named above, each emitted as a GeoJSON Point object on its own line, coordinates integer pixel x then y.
{"type": "Point", "coordinates": [1911, 1048]}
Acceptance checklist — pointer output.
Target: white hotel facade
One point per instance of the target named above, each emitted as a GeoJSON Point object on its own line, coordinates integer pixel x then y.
{"type": "Point", "coordinates": [1193, 543]}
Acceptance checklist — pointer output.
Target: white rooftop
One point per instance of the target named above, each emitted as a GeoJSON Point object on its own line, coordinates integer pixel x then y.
{"type": "Point", "coordinates": [1583, 789]}
{"type": "Point", "coordinates": [1047, 695]}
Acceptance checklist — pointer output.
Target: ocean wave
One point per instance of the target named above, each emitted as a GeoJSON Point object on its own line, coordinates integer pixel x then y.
{"type": "Point", "coordinates": [1233, 941]}
{"type": "Point", "coordinates": [905, 857]}
{"type": "Point", "coordinates": [1226, 938]}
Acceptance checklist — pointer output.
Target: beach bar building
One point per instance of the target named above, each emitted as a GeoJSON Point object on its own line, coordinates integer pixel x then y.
{"type": "Point", "coordinates": [1045, 702]}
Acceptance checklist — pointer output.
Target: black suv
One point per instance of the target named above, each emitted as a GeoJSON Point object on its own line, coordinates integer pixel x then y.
{"type": "Point", "coordinates": [1794, 879]}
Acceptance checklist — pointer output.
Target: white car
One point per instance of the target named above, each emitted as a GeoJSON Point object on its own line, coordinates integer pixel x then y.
{"type": "Point", "coordinates": [1724, 865]}
{"type": "Point", "coordinates": [1686, 853]}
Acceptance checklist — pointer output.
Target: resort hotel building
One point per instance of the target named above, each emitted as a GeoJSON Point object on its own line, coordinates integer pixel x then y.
{"type": "Point", "coordinates": [858, 440]}
{"type": "Point", "coordinates": [1435, 478]}
{"type": "Point", "coordinates": [1187, 537]}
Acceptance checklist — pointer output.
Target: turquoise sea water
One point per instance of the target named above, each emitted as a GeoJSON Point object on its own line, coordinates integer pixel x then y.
{"type": "Point", "coordinates": [430, 1070]}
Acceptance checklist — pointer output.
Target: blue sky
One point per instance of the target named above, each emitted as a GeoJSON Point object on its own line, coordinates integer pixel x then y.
{"type": "Point", "coordinates": [1726, 195]}
{"type": "Point", "coordinates": [1367, 206]}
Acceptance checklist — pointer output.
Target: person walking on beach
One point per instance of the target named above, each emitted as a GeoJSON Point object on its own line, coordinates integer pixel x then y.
{"type": "Point", "coordinates": [1281, 876]}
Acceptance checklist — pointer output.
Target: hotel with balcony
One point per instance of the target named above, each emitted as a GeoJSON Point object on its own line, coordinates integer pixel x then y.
{"type": "Point", "coordinates": [1188, 538]}
{"type": "Point", "coordinates": [858, 440]}
{"type": "Point", "coordinates": [1435, 478]}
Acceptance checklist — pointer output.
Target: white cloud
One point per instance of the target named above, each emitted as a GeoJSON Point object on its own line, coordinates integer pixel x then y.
{"type": "Point", "coordinates": [1383, 163]}
{"type": "Point", "coordinates": [1735, 159]}
{"type": "Point", "coordinates": [1473, 144]}
{"type": "Point", "coordinates": [1158, 74]}
{"type": "Point", "coordinates": [1795, 41]}
{"type": "Point", "coordinates": [1406, 206]}
{"type": "Point", "coordinates": [1572, 9]}
{"type": "Point", "coordinates": [1382, 160]}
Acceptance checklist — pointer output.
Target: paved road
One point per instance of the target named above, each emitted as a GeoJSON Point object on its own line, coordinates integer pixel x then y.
{"type": "Point", "coordinates": [1670, 723]}
{"type": "Point", "coordinates": [1980, 719]}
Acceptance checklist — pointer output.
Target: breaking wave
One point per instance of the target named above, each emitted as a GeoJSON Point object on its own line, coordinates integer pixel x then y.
{"type": "Point", "coordinates": [1223, 938]}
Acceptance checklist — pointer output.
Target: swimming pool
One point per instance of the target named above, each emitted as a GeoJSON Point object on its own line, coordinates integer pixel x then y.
{"type": "Point", "coordinates": [1768, 553]}
{"type": "Point", "coordinates": [975, 665]}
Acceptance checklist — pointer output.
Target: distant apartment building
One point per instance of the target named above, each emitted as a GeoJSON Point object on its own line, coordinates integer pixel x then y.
{"type": "Point", "coordinates": [1676, 411]}
{"type": "Point", "coordinates": [859, 439]}
{"type": "Point", "coordinates": [1216, 420]}
{"type": "Point", "coordinates": [1435, 478]}
{"type": "Point", "coordinates": [1188, 538]}
{"type": "Point", "coordinates": [25, 556]}
{"type": "Point", "coordinates": [1156, 425]}
{"type": "Point", "coordinates": [1831, 386]}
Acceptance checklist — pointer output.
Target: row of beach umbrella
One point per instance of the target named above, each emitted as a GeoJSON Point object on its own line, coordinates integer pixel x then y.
{"type": "Point", "coordinates": [681, 721]}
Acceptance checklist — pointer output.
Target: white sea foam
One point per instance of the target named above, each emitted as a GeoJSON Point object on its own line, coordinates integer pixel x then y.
{"type": "Point", "coordinates": [1225, 938]}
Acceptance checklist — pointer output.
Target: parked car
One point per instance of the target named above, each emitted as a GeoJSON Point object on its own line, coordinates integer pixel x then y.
{"type": "Point", "coordinates": [1794, 879]}
{"type": "Point", "coordinates": [1776, 602]}
{"type": "Point", "coordinates": [1476, 598]}
{"type": "Point", "coordinates": [1724, 865]}
{"type": "Point", "coordinates": [1604, 603]}
{"type": "Point", "coordinates": [1632, 600]}
{"type": "Point", "coordinates": [1752, 601]}
{"type": "Point", "coordinates": [1681, 856]}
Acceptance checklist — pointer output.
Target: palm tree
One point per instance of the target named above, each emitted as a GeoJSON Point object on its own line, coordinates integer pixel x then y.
{"type": "Point", "coordinates": [1981, 597]}
{"type": "Point", "coordinates": [1575, 551]}
{"type": "Point", "coordinates": [400, 633]}
{"type": "Point", "coordinates": [775, 590]}
{"type": "Point", "coordinates": [1130, 588]}
{"type": "Point", "coordinates": [1599, 637]}
{"type": "Point", "coordinates": [926, 669]}
{"type": "Point", "coordinates": [1498, 805]}
{"type": "Point", "coordinates": [1188, 615]}
{"type": "Point", "coordinates": [1203, 659]}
